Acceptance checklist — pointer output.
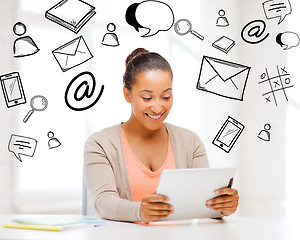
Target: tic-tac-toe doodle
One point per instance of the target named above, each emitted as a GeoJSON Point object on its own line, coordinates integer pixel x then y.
{"type": "Point", "coordinates": [277, 83]}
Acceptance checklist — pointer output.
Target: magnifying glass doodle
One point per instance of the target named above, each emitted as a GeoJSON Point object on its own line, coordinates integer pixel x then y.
{"type": "Point", "coordinates": [184, 26]}
{"type": "Point", "coordinates": [37, 103]}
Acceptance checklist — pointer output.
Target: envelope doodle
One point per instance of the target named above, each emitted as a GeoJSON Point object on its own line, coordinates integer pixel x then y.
{"type": "Point", "coordinates": [223, 78]}
{"type": "Point", "coordinates": [72, 54]}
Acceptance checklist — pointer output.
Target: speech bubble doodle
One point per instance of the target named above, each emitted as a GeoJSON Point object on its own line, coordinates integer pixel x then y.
{"type": "Point", "coordinates": [288, 40]}
{"type": "Point", "coordinates": [155, 16]}
{"type": "Point", "coordinates": [253, 32]}
{"type": "Point", "coordinates": [79, 89]}
{"type": "Point", "coordinates": [277, 9]}
{"type": "Point", "coordinates": [20, 145]}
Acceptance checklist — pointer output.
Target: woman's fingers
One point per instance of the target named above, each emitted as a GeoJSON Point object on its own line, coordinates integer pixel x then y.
{"type": "Point", "coordinates": [159, 206]}
{"type": "Point", "coordinates": [159, 212]}
{"type": "Point", "coordinates": [226, 201]}
{"type": "Point", "coordinates": [154, 207]}
{"type": "Point", "coordinates": [224, 195]}
{"type": "Point", "coordinates": [227, 191]}
{"type": "Point", "coordinates": [155, 198]}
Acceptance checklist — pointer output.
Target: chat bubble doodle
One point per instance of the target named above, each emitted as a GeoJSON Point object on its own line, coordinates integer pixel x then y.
{"type": "Point", "coordinates": [288, 40]}
{"type": "Point", "coordinates": [254, 32]}
{"type": "Point", "coordinates": [277, 9]}
{"type": "Point", "coordinates": [155, 16]}
{"type": "Point", "coordinates": [81, 87]}
{"type": "Point", "coordinates": [20, 145]}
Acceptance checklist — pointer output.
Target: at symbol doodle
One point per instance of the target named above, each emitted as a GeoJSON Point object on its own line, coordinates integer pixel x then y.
{"type": "Point", "coordinates": [78, 94]}
{"type": "Point", "coordinates": [253, 32]}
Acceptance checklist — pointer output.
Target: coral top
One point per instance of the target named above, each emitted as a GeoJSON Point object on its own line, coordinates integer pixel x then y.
{"type": "Point", "coordinates": [142, 180]}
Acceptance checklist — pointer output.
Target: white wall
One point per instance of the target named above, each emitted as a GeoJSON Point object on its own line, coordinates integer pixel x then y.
{"type": "Point", "coordinates": [6, 117]}
{"type": "Point", "coordinates": [260, 165]}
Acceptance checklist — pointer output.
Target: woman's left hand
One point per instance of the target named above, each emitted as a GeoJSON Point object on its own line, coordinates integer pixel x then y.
{"type": "Point", "coordinates": [226, 201]}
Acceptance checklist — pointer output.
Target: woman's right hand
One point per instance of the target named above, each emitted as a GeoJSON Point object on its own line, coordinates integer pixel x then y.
{"type": "Point", "coordinates": [154, 207]}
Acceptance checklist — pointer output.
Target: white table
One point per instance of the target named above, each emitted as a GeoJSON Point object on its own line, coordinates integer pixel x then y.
{"type": "Point", "coordinates": [231, 228]}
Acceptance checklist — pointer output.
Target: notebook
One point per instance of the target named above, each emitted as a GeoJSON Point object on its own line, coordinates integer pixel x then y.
{"type": "Point", "coordinates": [58, 220]}
{"type": "Point", "coordinates": [224, 44]}
{"type": "Point", "coordinates": [71, 14]}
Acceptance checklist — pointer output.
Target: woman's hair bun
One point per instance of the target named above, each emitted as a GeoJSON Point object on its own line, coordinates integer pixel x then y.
{"type": "Point", "coordinates": [141, 60]}
{"type": "Point", "coordinates": [134, 53]}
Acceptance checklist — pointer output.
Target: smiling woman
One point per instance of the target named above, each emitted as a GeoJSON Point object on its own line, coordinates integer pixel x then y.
{"type": "Point", "coordinates": [123, 163]}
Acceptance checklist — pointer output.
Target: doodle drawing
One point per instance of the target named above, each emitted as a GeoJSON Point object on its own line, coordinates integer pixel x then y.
{"type": "Point", "coordinates": [71, 14]}
{"type": "Point", "coordinates": [224, 44]}
{"type": "Point", "coordinates": [24, 45]}
{"type": "Point", "coordinates": [223, 78]}
{"type": "Point", "coordinates": [12, 89]}
{"type": "Point", "coordinates": [253, 32]}
{"type": "Point", "coordinates": [72, 54]}
{"type": "Point", "coordinates": [228, 134]}
{"type": "Point", "coordinates": [222, 21]}
{"type": "Point", "coordinates": [278, 84]}
{"type": "Point", "coordinates": [153, 15]}
{"type": "Point", "coordinates": [184, 26]}
{"type": "Point", "coordinates": [110, 38]}
{"type": "Point", "coordinates": [53, 142]}
{"type": "Point", "coordinates": [287, 40]}
{"type": "Point", "coordinates": [265, 133]}
{"type": "Point", "coordinates": [20, 145]}
{"type": "Point", "coordinates": [38, 104]}
{"type": "Point", "coordinates": [74, 93]}
{"type": "Point", "coordinates": [277, 9]}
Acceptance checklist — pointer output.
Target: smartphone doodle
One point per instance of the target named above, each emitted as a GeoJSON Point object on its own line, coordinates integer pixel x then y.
{"type": "Point", "coordinates": [228, 134]}
{"type": "Point", "coordinates": [12, 89]}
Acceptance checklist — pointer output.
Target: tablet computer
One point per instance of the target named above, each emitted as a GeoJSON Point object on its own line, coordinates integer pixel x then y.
{"type": "Point", "coordinates": [189, 189]}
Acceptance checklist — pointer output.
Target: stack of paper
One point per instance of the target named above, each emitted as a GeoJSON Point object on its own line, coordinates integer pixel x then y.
{"type": "Point", "coordinates": [53, 222]}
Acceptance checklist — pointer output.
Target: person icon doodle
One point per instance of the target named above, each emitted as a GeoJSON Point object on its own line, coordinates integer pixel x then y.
{"type": "Point", "coordinates": [23, 46]}
{"type": "Point", "coordinates": [222, 20]}
{"type": "Point", "coordinates": [110, 38]}
{"type": "Point", "coordinates": [53, 141]}
{"type": "Point", "coordinates": [265, 133]}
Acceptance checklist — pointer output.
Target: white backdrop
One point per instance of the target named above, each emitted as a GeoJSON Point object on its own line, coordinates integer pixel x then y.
{"type": "Point", "coordinates": [51, 180]}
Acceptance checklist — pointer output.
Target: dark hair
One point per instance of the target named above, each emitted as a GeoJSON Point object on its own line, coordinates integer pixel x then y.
{"type": "Point", "coordinates": [141, 60]}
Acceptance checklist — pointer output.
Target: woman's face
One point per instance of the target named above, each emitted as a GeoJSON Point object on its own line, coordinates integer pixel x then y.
{"type": "Point", "coordinates": [151, 98]}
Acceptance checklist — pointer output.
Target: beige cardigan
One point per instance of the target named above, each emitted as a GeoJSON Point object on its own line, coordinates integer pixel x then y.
{"type": "Point", "coordinates": [106, 173]}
